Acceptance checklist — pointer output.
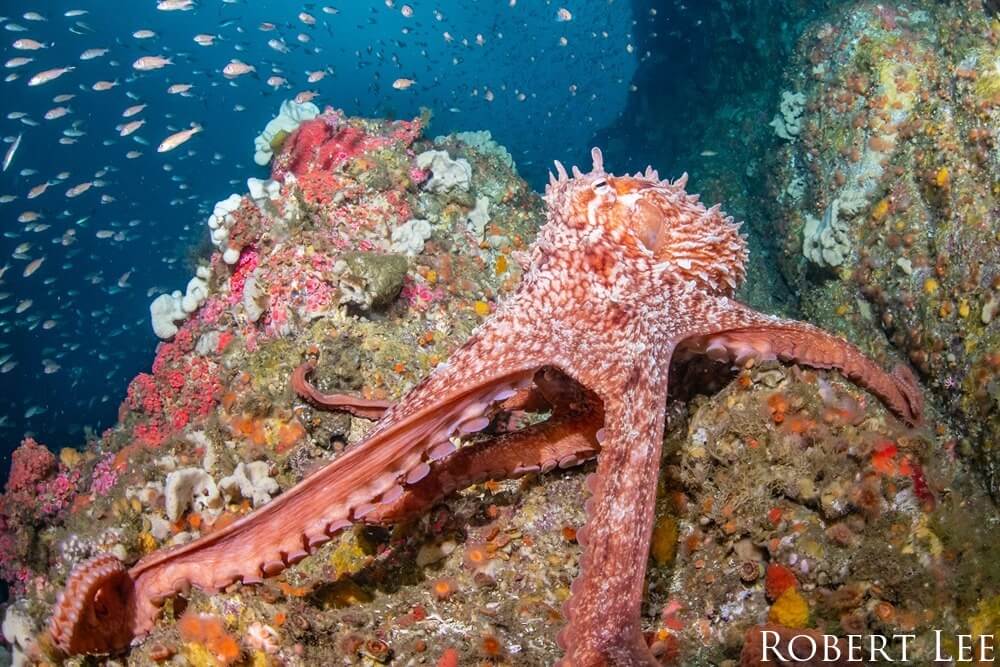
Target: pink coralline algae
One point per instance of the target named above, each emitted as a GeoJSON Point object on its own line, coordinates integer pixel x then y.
{"type": "Point", "coordinates": [39, 491]}
{"type": "Point", "coordinates": [248, 224]}
{"type": "Point", "coordinates": [318, 187]}
{"type": "Point", "coordinates": [225, 338]}
{"type": "Point", "coordinates": [31, 482]}
{"type": "Point", "coordinates": [303, 150]}
{"type": "Point", "coordinates": [246, 264]}
{"type": "Point", "coordinates": [55, 495]}
{"type": "Point", "coordinates": [297, 286]}
{"type": "Point", "coordinates": [369, 212]}
{"type": "Point", "coordinates": [407, 131]}
{"type": "Point", "coordinates": [210, 311]}
{"type": "Point", "coordinates": [150, 432]}
{"type": "Point", "coordinates": [418, 295]}
{"type": "Point", "coordinates": [143, 394]}
{"type": "Point", "coordinates": [30, 464]}
{"type": "Point", "coordinates": [104, 476]}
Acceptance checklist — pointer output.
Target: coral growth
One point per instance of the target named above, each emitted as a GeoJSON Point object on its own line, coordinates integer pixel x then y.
{"type": "Point", "coordinates": [327, 142]}
{"type": "Point", "coordinates": [315, 273]}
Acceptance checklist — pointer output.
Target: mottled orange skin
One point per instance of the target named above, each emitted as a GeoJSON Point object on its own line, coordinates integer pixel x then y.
{"type": "Point", "coordinates": [626, 271]}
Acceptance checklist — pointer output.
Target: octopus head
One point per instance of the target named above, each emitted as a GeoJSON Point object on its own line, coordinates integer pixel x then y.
{"type": "Point", "coordinates": [651, 222]}
{"type": "Point", "coordinates": [92, 614]}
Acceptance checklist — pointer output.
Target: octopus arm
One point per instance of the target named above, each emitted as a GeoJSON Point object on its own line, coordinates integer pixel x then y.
{"type": "Point", "coordinates": [416, 431]}
{"type": "Point", "coordinates": [604, 608]}
{"type": "Point", "coordinates": [359, 407]}
{"type": "Point", "coordinates": [566, 439]}
{"type": "Point", "coordinates": [741, 333]}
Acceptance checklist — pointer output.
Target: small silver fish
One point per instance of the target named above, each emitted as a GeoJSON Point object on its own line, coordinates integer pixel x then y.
{"type": "Point", "coordinates": [9, 157]}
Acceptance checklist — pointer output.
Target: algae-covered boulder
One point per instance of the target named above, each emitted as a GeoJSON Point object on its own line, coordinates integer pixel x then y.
{"type": "Point", "coordinates": [802, 503]}
{"type": "Point", "coordinates": [309, 270]}
{"type": "Point", "coordinates": [888, 197]}
{"type": "Point", "coordinates": [379, 277]}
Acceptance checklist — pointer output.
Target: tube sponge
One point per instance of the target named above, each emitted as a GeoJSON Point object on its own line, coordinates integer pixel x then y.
{"type": "Point", "coordinates": [409, 237]}
{"type": "Point", "coordinates": [190, 488]}
{"type": "Point", "coordinates": [219, 223]}
{"type": "Point", "coordinates": [251, 481]}
{"type": "Point", "coordinates": [197, 290]}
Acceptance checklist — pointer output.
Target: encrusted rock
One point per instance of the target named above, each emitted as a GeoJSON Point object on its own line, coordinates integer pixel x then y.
{"type": "Point", "coordinates": [376, 278]}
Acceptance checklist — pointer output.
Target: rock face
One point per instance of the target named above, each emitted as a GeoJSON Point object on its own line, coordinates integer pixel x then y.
{"type": "Point", "coordinates": [798, 502]}
{"type": "Point", "coordinates": [889, 196]}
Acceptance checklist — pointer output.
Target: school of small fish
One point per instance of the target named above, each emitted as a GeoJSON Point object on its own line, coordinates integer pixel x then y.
{"type": "Point", "coordinates": [117, 142]}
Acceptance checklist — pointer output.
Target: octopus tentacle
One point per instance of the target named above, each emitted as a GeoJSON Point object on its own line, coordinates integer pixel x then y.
{"type": "Point", "coordinates": [604, 608]}
{"type": "Point", "coordinates": [414, 432]}
{"type": "Point", "coordinates": [359, 407]}
{"type": "Point", "coordinates": [91, 615]}
{"type": "Point", "coordinates": [743, 333]}
{"type": "Point", "coordinates": [567, 439]}
{"type": "Point", "coordinates": [624, 268]}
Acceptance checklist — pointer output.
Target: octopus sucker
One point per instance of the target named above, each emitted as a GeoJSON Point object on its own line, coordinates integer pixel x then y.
{"type": "Point", "coordinates": [96, 594]}
{"type": "Point", "coordinates": [441, 450]}
{"type": "Point", "coordinates": [273, 567]}
{"type": "Point", "coordinates": [316, 541]}
{"type": "Point", "coordinates": [418, 473]}
{"type": "Point", "coordinates": [361, 511]}
{"type": "Point", "coordinates": [474, 425]}
{"type": "Point", "coordinates": [626, 272]}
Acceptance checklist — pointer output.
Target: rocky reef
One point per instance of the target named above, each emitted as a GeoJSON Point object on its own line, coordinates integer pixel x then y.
{"type": "Point", "coordinates": [376, 253]}
{"type": "Point", "coordinates": [886, 195]}
{"type": "Point", "coordinates": [786, 496]}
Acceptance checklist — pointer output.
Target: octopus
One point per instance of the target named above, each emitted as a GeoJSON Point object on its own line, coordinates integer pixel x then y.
{"type": "Point", "coordinates": [627, 273]}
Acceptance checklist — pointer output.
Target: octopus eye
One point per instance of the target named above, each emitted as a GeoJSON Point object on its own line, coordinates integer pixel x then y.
{"type": "Point", "coordinates": [600, 186]}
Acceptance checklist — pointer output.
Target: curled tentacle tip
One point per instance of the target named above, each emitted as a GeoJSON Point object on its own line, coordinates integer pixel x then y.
{"type": "Point", "coordinates": [93, 613]}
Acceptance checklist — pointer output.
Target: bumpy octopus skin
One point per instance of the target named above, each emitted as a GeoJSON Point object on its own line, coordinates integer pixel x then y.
{"type": "Point", "coordinates": [626, 271]}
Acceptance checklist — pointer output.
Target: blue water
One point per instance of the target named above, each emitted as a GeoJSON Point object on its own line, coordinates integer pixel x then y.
{"type": "Point", "coordinates": [549, 102]}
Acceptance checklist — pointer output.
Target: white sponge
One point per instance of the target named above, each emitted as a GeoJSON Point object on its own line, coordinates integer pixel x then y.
{"type": "Point", "coordinates": [165, 311]}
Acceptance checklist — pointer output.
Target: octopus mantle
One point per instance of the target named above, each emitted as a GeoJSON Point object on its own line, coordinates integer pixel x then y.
{"type": "Point", "coordinates": [627, 272]}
